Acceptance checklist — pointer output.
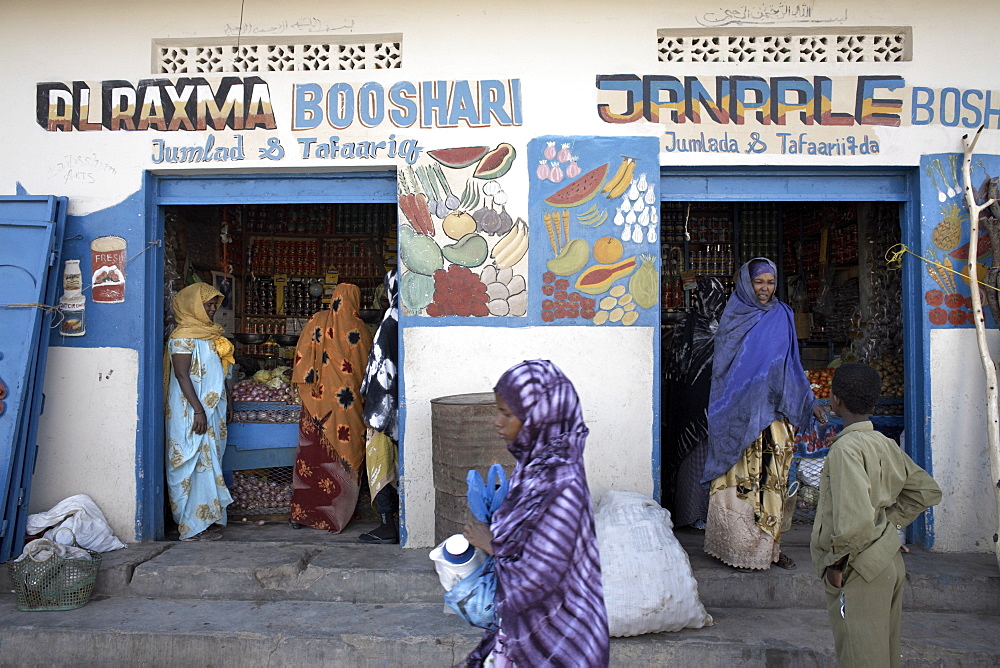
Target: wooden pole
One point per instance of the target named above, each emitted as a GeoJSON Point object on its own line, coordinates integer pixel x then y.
{"type": "Point", "coordinates": [989, 366]}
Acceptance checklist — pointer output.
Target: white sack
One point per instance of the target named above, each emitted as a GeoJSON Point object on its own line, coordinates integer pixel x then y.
{"type": "Point", "coordinates": [647, 578]}
{"type": "Point", "coordinates": [80, 515]}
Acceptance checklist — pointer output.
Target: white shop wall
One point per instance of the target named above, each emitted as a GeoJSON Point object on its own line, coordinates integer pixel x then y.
{"type": "Point", "coordinates": [610, 369]}
{"type": "Point", "coordinates": [966, 519]}
{"type": "Point", "coordinates": [556, 60]}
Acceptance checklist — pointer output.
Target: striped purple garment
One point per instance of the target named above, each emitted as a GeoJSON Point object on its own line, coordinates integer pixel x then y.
{"type": "Point", "coordinates": [549, 595]}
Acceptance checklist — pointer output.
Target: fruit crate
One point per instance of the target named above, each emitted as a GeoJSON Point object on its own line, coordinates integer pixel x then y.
{"type": "Point", "coordinates": [266, 491]}
{"type": "Point", "coordinates": [263, 435]}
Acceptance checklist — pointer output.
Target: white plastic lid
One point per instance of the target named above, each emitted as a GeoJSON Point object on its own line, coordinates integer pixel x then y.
{"type": "Point", "coordinates": [457, 544]}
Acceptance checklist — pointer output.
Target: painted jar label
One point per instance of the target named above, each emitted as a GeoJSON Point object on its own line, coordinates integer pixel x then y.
{"type": "Point", "coordinates": [107, 256]}
{"type": "Point", "coordinates": [74, 313]}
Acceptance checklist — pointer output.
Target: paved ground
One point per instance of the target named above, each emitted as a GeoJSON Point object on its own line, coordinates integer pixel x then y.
{"type": "Point", "coordinates": [270, 596]}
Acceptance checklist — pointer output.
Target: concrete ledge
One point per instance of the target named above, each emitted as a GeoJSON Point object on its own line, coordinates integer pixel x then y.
{"type": "Point", "coordinates": [289, 572]}
{"type": "Point", "coordinates": [120, 632]}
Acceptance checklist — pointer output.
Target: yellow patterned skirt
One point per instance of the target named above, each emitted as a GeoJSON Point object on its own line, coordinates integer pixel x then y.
{"type": "Point", "coordinates": [744, 510]}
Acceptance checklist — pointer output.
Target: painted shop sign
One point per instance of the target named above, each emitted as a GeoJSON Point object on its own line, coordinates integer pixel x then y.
{"type": "Point", "coordinates": [760, 101]}
{"type": "Point", "coordinates": [245, 103]}
{"type": "Point", "coordinates": [791, 115]}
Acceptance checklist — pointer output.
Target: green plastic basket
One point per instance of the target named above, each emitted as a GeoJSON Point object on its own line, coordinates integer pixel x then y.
{"type": "Point", "coordinates": [57, 583]}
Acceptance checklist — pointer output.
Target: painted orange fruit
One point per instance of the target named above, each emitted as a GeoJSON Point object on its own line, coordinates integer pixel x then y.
{"type": "Point", "coordinates": [607, 250]}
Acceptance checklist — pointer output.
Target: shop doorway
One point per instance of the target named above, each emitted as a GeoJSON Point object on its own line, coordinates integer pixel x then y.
{"type": "Point", "coordinates": [830, 253]}
{"type": "Point", "coordinates": [277, 265]}
{"type": "Point", "coordinates": [275, 246]}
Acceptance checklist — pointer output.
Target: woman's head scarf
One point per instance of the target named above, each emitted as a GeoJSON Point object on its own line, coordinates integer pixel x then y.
{"type": "Point", "coordinates": [546, 402]}
{"type": "Point", "coordinates": [193, 321]}
{"type": "Point", "coordinates": [757, 377]}
{"type": "Point", "coordinates": [549, 596]}
{"type": "Point", "coordinates": [329, 364]}
{"type": "Point", "coordinates": [761, 266]}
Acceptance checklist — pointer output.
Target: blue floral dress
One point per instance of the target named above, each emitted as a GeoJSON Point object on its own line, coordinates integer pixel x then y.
{"type": "Point", "coordinates": [198, 493]}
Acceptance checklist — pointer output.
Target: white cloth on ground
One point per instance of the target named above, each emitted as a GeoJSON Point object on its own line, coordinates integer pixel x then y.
{"type": "Point", "coordinates": [83, 517]}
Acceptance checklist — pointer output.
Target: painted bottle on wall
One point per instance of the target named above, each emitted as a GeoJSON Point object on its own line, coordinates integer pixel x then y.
{"type": "Point", "coordinates": [73, 304]}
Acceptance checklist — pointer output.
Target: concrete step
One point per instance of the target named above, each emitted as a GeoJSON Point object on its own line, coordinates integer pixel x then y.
{"type": "Point", "coordinates": [320, 567]}
{"type": "Point", "coordinates": [162, 632]}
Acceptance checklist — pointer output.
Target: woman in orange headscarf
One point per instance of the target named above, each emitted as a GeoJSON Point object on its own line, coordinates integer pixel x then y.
{"type": "Point", "coordinates": [329, 366]}
{"type": "Point", "coordinates": [196, 407]}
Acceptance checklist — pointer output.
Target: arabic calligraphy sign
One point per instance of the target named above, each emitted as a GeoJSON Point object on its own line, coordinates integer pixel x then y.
{"type": "Point", "coordinates": [765, 13]}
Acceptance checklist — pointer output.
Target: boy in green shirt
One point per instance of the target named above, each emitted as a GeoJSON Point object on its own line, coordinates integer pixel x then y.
{"type": "Point", "coordinates": [868, 490]}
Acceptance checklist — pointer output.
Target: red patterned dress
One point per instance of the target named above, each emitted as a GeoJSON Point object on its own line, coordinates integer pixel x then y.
{"type": "Point", "coordinates": [329, 366]}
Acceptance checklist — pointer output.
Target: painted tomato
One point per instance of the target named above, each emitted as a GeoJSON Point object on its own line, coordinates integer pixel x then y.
{"type": "Point", "coordinates": [971, 317]}
{"type": "Point", "coordinates": [562, 284]}
{"type": "Point", "coordinates": [968, 302]}
{"type": "Point", "coordinates": [957, 317]}
{"type": "Point", "coordinates": [548, 290]}
{"type": "Point", "coordinates": [548, 304]}
{"type": "Point", "coordinates": [954, 300]}
{"type": "Point", "coordinates": [561, 294]}
{"type": "Point", "coordinates": [587, 312]}
{"type": "Point", "coordinates": [548, 316]}
{"type": "Point", "coordinates": [934, 297]}
{"type": "Point", "coordinates": [548, 277]}
{"type": "Point", "coordinates": [938, 316]}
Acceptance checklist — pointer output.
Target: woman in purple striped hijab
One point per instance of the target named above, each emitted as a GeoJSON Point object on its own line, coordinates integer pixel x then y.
{"type": "Point", "coordinates": [549, 598]}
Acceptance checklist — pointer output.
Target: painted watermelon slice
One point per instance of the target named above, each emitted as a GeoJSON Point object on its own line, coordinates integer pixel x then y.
{"type": "Point", "coordinates": [580, 191]}
{"type": "Point", "coordinates": [456, 158]}
{"type": "Point", "coordinates": [984, 247]}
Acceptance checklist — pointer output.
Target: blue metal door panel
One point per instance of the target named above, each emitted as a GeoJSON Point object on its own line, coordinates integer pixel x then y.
{"type": "Point", "coordinates": [30, 233]}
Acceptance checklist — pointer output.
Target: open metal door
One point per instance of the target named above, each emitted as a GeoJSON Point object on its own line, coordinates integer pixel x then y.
{"type": "Point", "coordinates": [31, 231]}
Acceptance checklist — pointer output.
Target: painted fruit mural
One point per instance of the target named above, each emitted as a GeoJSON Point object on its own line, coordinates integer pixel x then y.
{"type": "Point", "coordinates": [946, 257]}
{"type": "Point", "coordinates": [461, 251]}
{"type": "Point", "coordinates": [598, 241]}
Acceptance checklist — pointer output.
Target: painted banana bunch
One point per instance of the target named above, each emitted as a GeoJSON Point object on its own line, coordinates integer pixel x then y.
{"type": "Point", "coordinates": [622, 179]}
{"type": "Point", "coordinates": [512, 247]}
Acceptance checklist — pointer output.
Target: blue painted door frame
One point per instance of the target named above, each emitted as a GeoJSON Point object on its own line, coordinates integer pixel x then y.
{"type": "Point", "coordinates": [819, 184]}
{"type": "Point", "coordinates": [204, 190]}
{"type": "Point", "coordinates": [704, 184]}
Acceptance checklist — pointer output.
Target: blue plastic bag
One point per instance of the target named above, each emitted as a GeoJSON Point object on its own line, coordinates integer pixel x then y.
{"type": "Point", "coordinates": [485, 497]}
{"type": "Point", "coordinates": [472, 598]}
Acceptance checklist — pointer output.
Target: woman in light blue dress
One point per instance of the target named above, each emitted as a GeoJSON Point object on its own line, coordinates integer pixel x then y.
{"type": "Point", "coordinates": [196, 413]}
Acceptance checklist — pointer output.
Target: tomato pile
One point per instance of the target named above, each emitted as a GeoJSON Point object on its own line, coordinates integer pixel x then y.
{"type": "Point", "coordinates": [560, 303]}
{"type": "Point", "coordinates": [458, 291]}
{"type": "Point", "coordinates": [819, 381]}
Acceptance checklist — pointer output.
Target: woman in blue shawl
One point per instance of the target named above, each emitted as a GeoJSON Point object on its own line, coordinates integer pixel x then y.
{"type": "Point", "coordinates": [759, 396]}
{"type": "Point", "coordinates": [549, 598]}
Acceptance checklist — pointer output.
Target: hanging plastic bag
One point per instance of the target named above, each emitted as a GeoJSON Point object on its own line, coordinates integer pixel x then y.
{"type": "Point", "coordinates": [485, 497]}
{"type": "Point", "coordinates": [473, 597]}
